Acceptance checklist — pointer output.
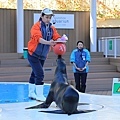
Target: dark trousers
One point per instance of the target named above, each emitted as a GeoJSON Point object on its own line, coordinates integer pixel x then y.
{"type": "Point", "coordinates": [37, 74]}
{"type": "Point", "coordinates": [80, 81]}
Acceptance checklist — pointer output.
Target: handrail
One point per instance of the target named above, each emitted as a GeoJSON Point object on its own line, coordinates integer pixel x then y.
{"type": "Point", "coordinates": [109, 45]}
{"type": "Point", "coordinates": [101, 38]}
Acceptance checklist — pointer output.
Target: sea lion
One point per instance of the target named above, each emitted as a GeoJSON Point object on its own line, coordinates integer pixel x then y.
{"type": "Point", "coordinates": [61, 92]}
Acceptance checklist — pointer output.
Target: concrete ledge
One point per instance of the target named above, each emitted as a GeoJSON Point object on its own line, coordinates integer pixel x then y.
{"type": "Point", "coordinates": [116, 62]}
{"type": "Point", "coordinates": [10, 56]}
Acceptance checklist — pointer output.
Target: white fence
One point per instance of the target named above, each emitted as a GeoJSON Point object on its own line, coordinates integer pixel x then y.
{"type": "Point", "coordinates": [110, 46]}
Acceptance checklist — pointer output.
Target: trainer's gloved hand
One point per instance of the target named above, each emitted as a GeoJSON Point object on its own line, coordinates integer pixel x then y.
{"type": "Point", "coordinates": [64, 38]}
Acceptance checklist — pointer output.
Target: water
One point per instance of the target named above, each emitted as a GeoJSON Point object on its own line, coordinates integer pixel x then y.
{"type": "Point", "coordinates": [13, 93]}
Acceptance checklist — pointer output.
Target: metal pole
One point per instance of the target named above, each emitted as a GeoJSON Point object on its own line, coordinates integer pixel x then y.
{"type": "Point", "coordinates": [93, 32]}
{"type": "Point", "coordinates": [99, 45]}
{"type": "Point", "coordinates": [106, 48]}
{"type": "Point", "coordinates": [115, 48]}
{"type": "Point", "coordinates": [20, 26]}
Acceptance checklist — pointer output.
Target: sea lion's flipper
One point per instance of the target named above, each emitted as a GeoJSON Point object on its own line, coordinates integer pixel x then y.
{"type": "Point", "coordinates": [50, 98]}
{"type": "Point", "coordinates": [83, 104]}
{"type": "Point", "coordinates": [83, 111]}
{"type": "Point", "coordinates": [54, 112]}
{"type": "Point", "coordinates": [61, 112]}
{"type": "Point", "coordinates": [43, 105]}
{"type": "Point", "coordinates": [46, 104]}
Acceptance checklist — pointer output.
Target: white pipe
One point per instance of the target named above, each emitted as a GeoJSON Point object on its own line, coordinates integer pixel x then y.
{"type": "Point", "coordinates": [106, 48]}
{"type": "Point", "coordinates": [93, 31]}
{"type": "Point", "coordinates": [115, 48]}
{"type": "Point", "coordinates": [99, 45]}
{"type": "Point", "coordinates": [20, 26]}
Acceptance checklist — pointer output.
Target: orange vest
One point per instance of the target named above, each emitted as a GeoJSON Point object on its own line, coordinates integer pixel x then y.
{"type": "Point", "coordinates": [37, 33]}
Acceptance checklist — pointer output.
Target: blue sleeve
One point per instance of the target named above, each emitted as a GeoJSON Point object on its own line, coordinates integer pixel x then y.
{"type": "Point", "coordinates": [72, 56]}
{"type": "Point", "coordinates": [88, 57]}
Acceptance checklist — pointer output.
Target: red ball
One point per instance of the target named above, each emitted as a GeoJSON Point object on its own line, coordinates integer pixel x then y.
{"type": "Point", "coordinates": [59, 49]}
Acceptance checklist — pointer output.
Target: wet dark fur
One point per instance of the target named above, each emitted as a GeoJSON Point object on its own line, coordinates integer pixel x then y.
{"type": "Point", "coordinates": [64, 95]}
